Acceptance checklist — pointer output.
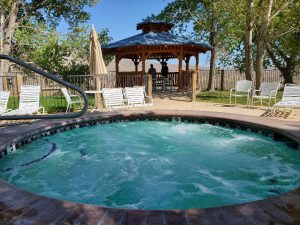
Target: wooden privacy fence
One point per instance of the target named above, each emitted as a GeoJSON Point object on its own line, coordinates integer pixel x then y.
{"type": "Point", "coordinates": [88, 82]}
{"type": "Point", "coordinates": [226, 79]}
{"type": "Point", "coordinates": [51, 96]}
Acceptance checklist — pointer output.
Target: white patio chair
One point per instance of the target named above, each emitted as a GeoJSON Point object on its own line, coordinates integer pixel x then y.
{"type": "Point", "coordinates": [290, 98]}
{"type": "Point", "coordinates": [4, 96]}
{"type": "Point", "coordinates": [266, 93]}
{"type": "Point", "coordinates": [242, 89]}
{"type": "Point", "coordinates": [160, 84]}
{"type": "Point", "coordinates": [137, 96]}
{"type": "Point", "coordinates": [113, 98]}
{"type": "Point", "coordinates": [71, 99]}
{"type": "Point", "coordinates": [169, 84]}
{"type": "Point", "coordinates": [29, 101]}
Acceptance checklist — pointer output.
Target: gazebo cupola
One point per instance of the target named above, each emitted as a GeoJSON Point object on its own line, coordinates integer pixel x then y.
{"type": "Point", "coordinates": [155, 26]}
{"type": "Point", "coordinates": [156, 42]}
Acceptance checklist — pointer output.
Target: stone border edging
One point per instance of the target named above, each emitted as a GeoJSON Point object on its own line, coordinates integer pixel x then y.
{"type": "Point", "coordinates": [19, 206]}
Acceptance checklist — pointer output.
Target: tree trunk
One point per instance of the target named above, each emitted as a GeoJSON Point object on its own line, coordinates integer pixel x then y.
{"type": "Point", "coordinates": [1, 50]}
{"type": "Point", "coordinates": [212, 69]}
{"type": "Point", "coordinates": [9, 30]}
{"type": "Point", "coordinates": [248, 39]}
{"type": "Point", "coordinates": [288, 76]}
{"type": "Point", "coordinates": [262, 34]}
{"type": "Point", "coordinates": [260, 53]}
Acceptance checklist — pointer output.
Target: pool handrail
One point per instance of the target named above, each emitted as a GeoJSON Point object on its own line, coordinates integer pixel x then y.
{"type": "Point", "coordinates": [51, 77]}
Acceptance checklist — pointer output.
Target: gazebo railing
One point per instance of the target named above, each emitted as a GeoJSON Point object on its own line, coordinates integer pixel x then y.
{"type": "Point", "coordinates": [110, 80]}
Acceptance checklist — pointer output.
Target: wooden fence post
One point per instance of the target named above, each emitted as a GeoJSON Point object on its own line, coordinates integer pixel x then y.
{"type": "Point", "coordinates": [149, 85]}
{"type": "Point", "coordinates": [222, 79]}
{"type": "Point", "coordinates": [19, 83]}
{"type": "Point", "coordinates": [194, 86]}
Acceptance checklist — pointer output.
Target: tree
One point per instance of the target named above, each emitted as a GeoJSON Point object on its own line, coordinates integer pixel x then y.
{"type": "Point", "coordinates": [16, 13]}
{"type": "Point", "coordinates": [262, 26]}
{"type": "Point", "coordinates": [274, 21]}
{"type": "Point", "coordinates": [284, 47]}
{"type": "Point", "coordinates": [63, 54]}
{"type": "Point", "coordinates": [211, 21]}
{"type": "Point", "coordinates": [285, 54]}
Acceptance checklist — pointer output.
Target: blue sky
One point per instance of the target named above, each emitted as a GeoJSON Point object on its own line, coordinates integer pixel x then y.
{"type": "Point", "coordinates": [121, 17]}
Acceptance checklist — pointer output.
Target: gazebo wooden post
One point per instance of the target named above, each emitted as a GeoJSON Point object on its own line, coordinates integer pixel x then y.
{"type": "Point", "coordinates": [187, 62]}
{"type": "Point", "coordinates": [117, 69]}
{"type": "Point", "coordinates": [197, 70]}
{"type": "Point", "coordinates": [180, 78]}
{"type": "Point", "coordinates": [117, 64]}
{"type": "Point", "coordinates": [143, 58]}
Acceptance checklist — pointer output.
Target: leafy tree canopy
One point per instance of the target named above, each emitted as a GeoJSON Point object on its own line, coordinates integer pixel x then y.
{"type": "Point", "coordinates": [62, 54]}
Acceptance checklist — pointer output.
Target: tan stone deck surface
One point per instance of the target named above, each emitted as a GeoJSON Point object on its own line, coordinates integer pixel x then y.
{"type": "Point", "coordinates": [174, 101]}
{"type": "Point", "coordinates": [20, 207]}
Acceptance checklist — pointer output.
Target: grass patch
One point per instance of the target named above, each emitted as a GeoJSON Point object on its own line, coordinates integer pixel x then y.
{"type": "Point", "coordinates": [223, 98]}
{"type": "Point", "coordinates": [52, 104]}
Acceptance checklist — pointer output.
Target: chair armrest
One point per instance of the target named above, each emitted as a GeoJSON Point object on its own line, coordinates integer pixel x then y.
{"type": "Point", "coordinates": [273, 93]}
{"type": "Point", "coordinates": [232, 89]}
{"type": "Point", "coordinates": [145, 93]}
{"type": "Point", "coordinates": [128, 101]}
{"type": "Point", "coordinates": [74, 96]}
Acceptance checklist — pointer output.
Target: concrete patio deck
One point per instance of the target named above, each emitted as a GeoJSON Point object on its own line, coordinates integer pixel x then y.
{"type": "Point", "coordinates": [174, 101]}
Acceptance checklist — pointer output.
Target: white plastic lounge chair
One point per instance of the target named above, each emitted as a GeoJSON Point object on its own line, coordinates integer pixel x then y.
{"type": "Point", "coordinates": [113, 98]}
{"type": "Point", "coordinates": [242, 89]}
{"type": "Point", "coordinates": [4, 96]}
{"type": "Point", "coordinates": [266, 93]}
{"type": "Point", "coordinates": [29, 101]}
{"type": "Point", "coordinates": [290, 98]}
{"type": "Point", "coordinates": [71, 99]}
{"type": "Point", "coordinates": [137, 97]}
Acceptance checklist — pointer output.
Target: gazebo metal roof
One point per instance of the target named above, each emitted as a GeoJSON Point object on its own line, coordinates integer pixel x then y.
{"type": "Point", "coordinates": [151, 38]}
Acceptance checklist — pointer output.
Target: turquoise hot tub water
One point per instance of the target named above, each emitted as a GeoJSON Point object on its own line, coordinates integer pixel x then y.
{"type": "Point", "coordinates": [154, 165]}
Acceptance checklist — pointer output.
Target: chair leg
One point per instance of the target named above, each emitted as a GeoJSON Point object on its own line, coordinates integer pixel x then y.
{"type": "Point", "coordinates": [230, 100]}
{"type": "Point", "coordinates": [248, 101]}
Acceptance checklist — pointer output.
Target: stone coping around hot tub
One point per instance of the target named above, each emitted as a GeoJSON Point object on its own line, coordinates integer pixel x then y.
{"type": "Point", "coordinates": [39, 129]}
{"type": "Point", "coordinates": [21, 207]}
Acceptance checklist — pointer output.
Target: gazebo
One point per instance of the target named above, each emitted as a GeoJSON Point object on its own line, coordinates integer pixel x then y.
{"type": "Point", "coordinates": [155, 42]}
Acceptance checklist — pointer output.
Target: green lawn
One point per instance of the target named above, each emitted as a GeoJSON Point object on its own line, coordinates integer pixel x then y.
{"type": "Point", "coordinates": [52, 104]}
{"type": "Point", "coordinates": [223, 97]}
{"type": "Point", "coordinates": [55, 104]}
